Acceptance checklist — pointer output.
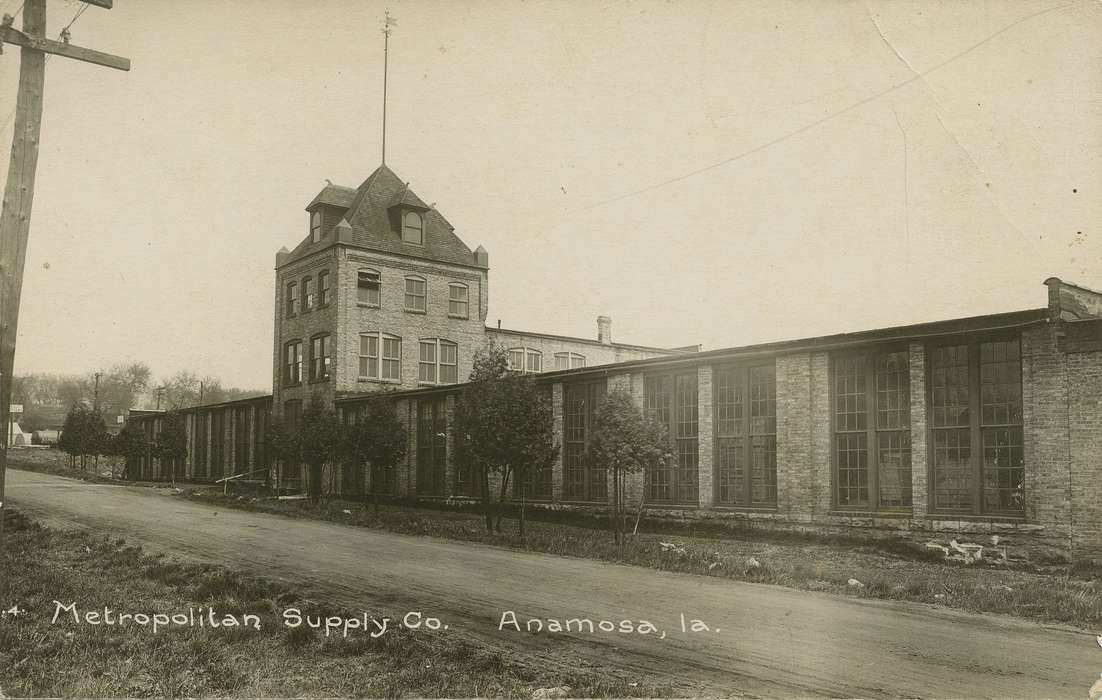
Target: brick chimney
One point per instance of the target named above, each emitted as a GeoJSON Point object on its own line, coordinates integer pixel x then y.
{"type": "Point", "coordinates": [604, 330]}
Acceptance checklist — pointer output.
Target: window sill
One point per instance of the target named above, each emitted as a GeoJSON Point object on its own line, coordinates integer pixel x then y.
{"type": "Point", "coordinates": [902, 514]}
{"type": "Point", "coordinates": [374, 380]}
{"type": "Point", "coordinates": [323, 380]}
{"type": "Point", "coordinates": [672, 506]}
{"type": "Point", "coordinates": [291, 385]}
{"type": "Point", "coordinates": [415, 311]}
{"type": "Point", "coordinates": [744, 509]}
{"type": "Point", "coordinates": [365, 305]}
{"type": "Point", "coordinates": [291, 315]}
{"type": "Point", "coordinates": [1016, 519]}
{"type": "Point", "coordinates": [322, 306]}
{"type": "Point", "coordinates": [460, 318]}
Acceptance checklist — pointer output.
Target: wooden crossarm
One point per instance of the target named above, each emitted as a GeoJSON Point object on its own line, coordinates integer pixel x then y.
{"type": "Point", "coordinates": [13, 36]}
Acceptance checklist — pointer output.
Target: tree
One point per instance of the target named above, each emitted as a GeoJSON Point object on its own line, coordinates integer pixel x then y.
{"type": "Point", "coordinates": [505, 428]}
{"type": "Point", "coordinates": [285, 446]}
{"type": "Point", "coordinates": [83, 434]}
{"type": "Point", "coordinates": [132, 445]}
{"type": "Point", "coordinates": [625, 443]}
{"type": "Point", "coordinates": [376, 438]}
{"type": "Point", "coordinates": [319, 441]}
{"type": "Point", "coordinates": [170, 445]}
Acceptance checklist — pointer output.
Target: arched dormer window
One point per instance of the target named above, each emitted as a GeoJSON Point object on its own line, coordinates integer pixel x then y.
{"type": "Point", "coordinates": [413, 228]}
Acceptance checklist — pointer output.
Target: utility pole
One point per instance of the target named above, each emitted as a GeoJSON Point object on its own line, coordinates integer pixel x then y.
{"type": "Point", "coordinates": [95, 395]}
{"type": "Point", "coordinates": [15, 216]}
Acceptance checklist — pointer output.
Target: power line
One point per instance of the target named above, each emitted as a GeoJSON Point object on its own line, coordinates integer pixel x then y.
{"type": "Point", "coordinates": [817, 122]}
{"type": "Point", "coordinates": [61, 36]}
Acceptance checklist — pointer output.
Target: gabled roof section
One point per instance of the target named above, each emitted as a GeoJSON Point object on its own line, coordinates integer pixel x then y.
{"type": "Point", "coordinates": [372, 224]}
{"type": "Point", "coordinates": [334, 195]}
{"type": "Point", "coordinates": [373, 228]}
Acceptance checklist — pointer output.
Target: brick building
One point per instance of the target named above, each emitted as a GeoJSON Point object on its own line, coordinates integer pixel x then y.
{"type": "Point", "coordinates": [960, 428]}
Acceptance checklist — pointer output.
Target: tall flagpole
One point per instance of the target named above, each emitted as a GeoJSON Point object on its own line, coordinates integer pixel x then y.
{"type": "Point", "coordinates": [388, 21]}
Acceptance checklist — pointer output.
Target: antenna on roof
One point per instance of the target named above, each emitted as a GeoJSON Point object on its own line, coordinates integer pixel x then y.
{"type": "Point", "coordinates": [388, 22]}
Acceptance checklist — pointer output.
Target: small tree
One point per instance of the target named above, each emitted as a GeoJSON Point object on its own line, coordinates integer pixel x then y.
{"type": "Point", "coordinates": [625, 443]}
{"type": "Point", "coordinates": [69, 440]}
{"type": "Point", "coordinates": [285, 447]}
{"type": "Point", "coordinates": [170, 445]}
{"type": "Point", "coordinates": [319, 441]}
{"type": "Point", "coordinates": [132, 445]}
{"type": "Point", "coordinates": [377, 439]}
{"type": "Point", "coordinates": [506, 429]}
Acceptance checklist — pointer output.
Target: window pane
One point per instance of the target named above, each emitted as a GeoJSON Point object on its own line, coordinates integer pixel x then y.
{"type": "Point", "coordinates": [894, 473]}
{"type": "Point", "coordinates": [535, 361]}
{"type": "Point", "coordinates": [516, 360]}
{"type": "Point", "coordinates": [562, 361]}
{"type": "Point", "coordinates": [730, 470]}
{"type": "Point", "coordinates": [949, 386]}
{"type": "Point", "coordinates": [685, 432]}
{"type": "Point", "coordinates": [853, 472]}
{"type": "Point", "coordinates": [893, 390]}
{"type": "Point", "coordinates": [763, 400]}
{"type": "Point", "coordinates": [577, 361]}
{"type": "Point", "coordinates": [730, 401]}
{"type": "Point", "coordinates": [763, 470]}
{"type": "Point", "coordinates": [953, 468]}
{"type": "Point", "coordinates": [1003, 470]}
{"type": "Point", "coordinates": [850, 412]}
{"type": "Point", "coordinates": [1000, 383]}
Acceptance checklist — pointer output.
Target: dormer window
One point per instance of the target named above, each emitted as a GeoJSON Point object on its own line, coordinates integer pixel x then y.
{"type": "Point", "coordinates": [315, 226]}
{"type": "Point", "coordinates": [413, 228]}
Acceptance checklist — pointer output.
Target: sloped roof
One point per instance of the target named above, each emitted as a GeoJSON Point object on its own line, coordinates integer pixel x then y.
{"type": "Point", "coordinates": [367, 213]}
{"type": "Point", "coordinates": [334, 195]}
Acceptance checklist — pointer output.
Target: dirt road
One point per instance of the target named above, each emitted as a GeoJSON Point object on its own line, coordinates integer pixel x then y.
{"type": "Point", "coordinates": [762, 640]}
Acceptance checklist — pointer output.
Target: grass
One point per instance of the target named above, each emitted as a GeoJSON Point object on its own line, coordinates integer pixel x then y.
{"type": "Point", "coordinates": [39, 659]}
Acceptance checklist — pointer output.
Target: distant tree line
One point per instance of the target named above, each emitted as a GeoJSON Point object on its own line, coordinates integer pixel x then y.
{"type": "Point", "coordinates": [122, 387]}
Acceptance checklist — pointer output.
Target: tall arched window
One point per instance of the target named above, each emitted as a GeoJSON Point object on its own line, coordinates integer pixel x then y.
{"type": "Point", "coordinates": [413, 228]}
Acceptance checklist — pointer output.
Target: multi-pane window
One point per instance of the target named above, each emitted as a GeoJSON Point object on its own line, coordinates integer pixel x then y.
{"type": "Point", "coordinates": [976, 426]}
{"type": "Point", "coordinates": [457, 300]}
{"type": "Point", "coordinates": [241, 438]}
{"type": "Point", "coordinates": [323, 288]}
{"type": "Point", "coordinates": [582, 481]}
{"type": "Point", "coordinates": [525, 360]}
{"type": "Point", "coordinates": [872, 437]}
{"type": "Point", "coordinates": [307, 294]}
{"type": "Point", "coordinates": [292, 298]}
{"type": "Point", "coordinates": [438, 362]}
{"type": "Point", "coordinates": [380, 356]}
{"type": "Point", "coordinates": [432, 454]}
{"type": "Point", "coordinates": [199, 447]}
{"type": "Point", "coordinates": [745, 436]}
{"type": "Point", "coordinates": [415, 294]}
{"type": "Point", "coordinates": [292, 362]}
{"type": "Point", "coordinates": [569, 360]}
{"type": "Point", "coordinates": [413, 228]}
{"type": "Point", "coordinates": [217, 443]}
{"type": "Point", "coordinates": [671, 401]}
{"type": "Point", "coordinates": [315, 226]}
{"type": "Point", "coordinates": [368, 284]}
{"type": "Point", "coordinates": [320, 358]}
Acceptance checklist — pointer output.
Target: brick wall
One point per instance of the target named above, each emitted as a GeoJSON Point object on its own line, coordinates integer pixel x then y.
{"type": "Point", "coordinates": [1085, 426]}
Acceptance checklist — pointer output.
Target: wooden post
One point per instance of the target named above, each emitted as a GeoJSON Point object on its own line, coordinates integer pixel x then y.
{"type": "Point", "coordinates": [15, 214]}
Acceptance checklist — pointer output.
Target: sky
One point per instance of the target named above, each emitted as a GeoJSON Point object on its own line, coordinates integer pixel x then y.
{"type": "Point", "coordinates": [720, 173]}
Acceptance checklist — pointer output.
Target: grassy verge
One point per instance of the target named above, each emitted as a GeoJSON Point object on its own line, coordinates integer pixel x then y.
{"type": "Point", "coordinates": [892, 571]}
{"type": "Point", "coordinates": [50, 460]}
{"type": "Point", "coordinates": [39, 659]}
